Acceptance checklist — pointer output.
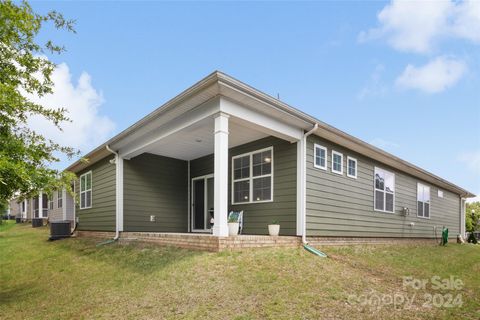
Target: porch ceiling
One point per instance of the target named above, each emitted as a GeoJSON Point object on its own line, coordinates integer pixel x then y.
{"type": "Point", "coordinates": [197, 140]}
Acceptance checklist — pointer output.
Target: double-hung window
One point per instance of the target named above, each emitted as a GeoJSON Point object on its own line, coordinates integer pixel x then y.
{"type": "Point", "coordinates": [320, 157]}
{"type": "Point", "coordinates": [423, 201]}
{"type": "Point", "coordinates": [50, 201]}
{"type": "Point", "coordinates": [59, 198]}
{"type": "Point", "coordinates": [351, 167]}
{"type": "Point", "coordinates": [86, 190]}
{"type": "Point", "coordinates": [337, 162]}
{"type": "Point", "coordinates": [384, 195]}
{"type": "Point", "coordinates": [252, 178]}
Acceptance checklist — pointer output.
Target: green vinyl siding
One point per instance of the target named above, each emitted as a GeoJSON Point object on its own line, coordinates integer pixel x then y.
{"type": "Point", "coordinates": [101, 216]}
{"type": "Point", "coordinates": [283, 207]}
{"type": "Point", "coordinates": [341, 206]}
{"type": "Point", "coordinates": [155, 185]}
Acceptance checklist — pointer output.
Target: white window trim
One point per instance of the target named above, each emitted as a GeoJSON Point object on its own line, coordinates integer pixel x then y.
{"type": "Point", "coordinates": [80, 193]}
{"type": "Point", "coordinates": [440, 194]}
{"type": "Point", "coordinates": [341, 167]}
{"type": "Point", "coordinates": [356, 167]}
{"type": "Point", "coordinates": [384, 192]}
{"type": "Point", "coordinates": [315, 146]}
{"type": "Point", "coordinates": [251, 177]}
{"type": "Point", "coordinates": [423, 203]}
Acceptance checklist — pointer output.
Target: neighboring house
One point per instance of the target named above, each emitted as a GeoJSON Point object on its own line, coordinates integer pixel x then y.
{"type": "Point", "coordinates": [61, 206]}
{"type": "Point", "coordinates": [14, 208]}
{"type": "Point", "coordinates": [222, 145]}
{"type": "Point", "coordinates": [21, 208]}
{"type": "Point", "coordinates": [38, 206]}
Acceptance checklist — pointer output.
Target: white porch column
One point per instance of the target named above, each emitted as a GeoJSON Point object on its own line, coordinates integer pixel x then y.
{"type": "Point", "coordinates": [220, 227]}
{"type": "Point", "coordinates": [40, 205]}
{"type": "Point", "coordinates": [463, 207]}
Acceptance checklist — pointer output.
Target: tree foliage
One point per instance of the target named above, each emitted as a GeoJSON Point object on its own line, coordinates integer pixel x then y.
{"type": "Point", "coordinates": [26, 156]}
{"type": "Point", "coordinates": [472, 220]}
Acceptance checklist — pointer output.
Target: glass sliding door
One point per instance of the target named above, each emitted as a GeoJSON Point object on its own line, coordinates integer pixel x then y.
{"type": "Point", "coordinates": [202, 203]}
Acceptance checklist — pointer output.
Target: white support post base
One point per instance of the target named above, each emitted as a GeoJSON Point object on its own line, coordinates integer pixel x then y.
{"type": "Point", "coordinates": [220, 227]}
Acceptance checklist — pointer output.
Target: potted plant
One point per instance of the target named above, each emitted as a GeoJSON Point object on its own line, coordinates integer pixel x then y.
{"type": "Point", "coordinates": [274, 228]}
{"type": "Point", "coordinates": [233, 226]}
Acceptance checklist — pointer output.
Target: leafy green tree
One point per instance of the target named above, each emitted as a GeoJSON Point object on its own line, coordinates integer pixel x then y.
{"type": "Point", "coordinates": [471, 220]}
{"type": "Point", "coordinates": [26, 156]}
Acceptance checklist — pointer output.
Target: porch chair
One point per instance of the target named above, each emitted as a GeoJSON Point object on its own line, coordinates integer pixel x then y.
{"type": "Point", "coordinates": [239, 217]}
{"type": "Point", "coordinates": [235, 214]}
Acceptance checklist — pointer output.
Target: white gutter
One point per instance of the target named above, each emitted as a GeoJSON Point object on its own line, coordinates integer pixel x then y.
{"type": "Point", "coordinates": [304, 181]}
{"type": "Point", "coordinates": [117, 209]}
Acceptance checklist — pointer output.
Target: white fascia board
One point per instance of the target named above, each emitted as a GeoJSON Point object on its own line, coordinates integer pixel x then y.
{"type": "Point", "coordinates": [262, 122]}
{"type": "Point", "coordinates": [187, 119]}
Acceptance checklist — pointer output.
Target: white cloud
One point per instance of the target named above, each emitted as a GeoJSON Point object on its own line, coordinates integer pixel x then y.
{"type": "Point", "coordinates": [374, 87]}
{"type": "Point", "coordinates": [383, 144]}
{"type": "Point", "coordinates": [474, 199]}
{"type": "Point", "coordinates": [416, 26]}
{"type": "Point", "coordinates": [436, 76]}
{"type": "Point", "coordinates": [472, 161]}
{"type": "Point", "coordinates": [82, 101]}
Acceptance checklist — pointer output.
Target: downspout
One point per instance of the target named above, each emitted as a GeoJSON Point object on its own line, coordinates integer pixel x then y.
{"type": "Point", "coordinates": [117, 230]}
{"type": "Point", "coordinates": [304, 186]}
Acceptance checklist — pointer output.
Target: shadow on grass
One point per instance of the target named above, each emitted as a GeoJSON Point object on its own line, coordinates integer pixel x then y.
{"type": "Point", "coordinates": [15, 294]}
{"type": "Point", "coordinates": [137, 257]}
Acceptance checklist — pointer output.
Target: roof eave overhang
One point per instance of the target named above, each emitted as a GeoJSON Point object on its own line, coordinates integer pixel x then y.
{"type": "Point", "coordinates": [302, 120]}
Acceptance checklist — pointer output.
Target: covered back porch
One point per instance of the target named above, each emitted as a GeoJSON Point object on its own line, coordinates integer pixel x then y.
{"type": "Point", "coordinates": [181, 175]}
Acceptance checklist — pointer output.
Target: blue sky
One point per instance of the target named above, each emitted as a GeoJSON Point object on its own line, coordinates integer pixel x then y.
{"type": "Point", "coordinates": [405, 78]}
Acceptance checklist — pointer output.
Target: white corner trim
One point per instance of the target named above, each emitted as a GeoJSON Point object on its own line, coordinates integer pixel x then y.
{"type": "Point", "coordinates": [189, 203]}
{"type": "Point", "coordinates": [119, 192]}
{"type": "Point", "coordinates": [463, 209]}
{"type": "Point", "coordinates": [300, 186]}
{"type": "Point", "coordinates": [64, 203]}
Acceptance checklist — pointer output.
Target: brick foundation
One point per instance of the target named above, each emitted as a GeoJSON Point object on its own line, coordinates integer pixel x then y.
{"type": "Point", "coordinates": [193, 241]}
{"type": "Point", "coordinates": [339, 241]}
{"type": "Point", "coordinates": [95, 234]}
{"type": "Point", "coordinates": [208, 242]}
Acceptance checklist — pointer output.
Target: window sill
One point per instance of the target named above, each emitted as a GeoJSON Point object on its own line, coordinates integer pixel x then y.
{"type": "Point", "coordinates": [252, 202]}
{"type": "Point", "coordinates": [427, 218]}
{"type": "Point", "coordinates": [338, 172]}
{"type": "Point", "coordinates": [321, 168]}
{"type": "Point", "coordinates": [384, 211]}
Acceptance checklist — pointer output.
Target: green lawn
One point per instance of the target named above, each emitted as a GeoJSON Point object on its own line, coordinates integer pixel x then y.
{"type": "Point", "coordinates": [74, 279]}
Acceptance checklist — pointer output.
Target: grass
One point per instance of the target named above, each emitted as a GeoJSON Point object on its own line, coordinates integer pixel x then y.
{"type": "Point", "coordinates": [74, 279]}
